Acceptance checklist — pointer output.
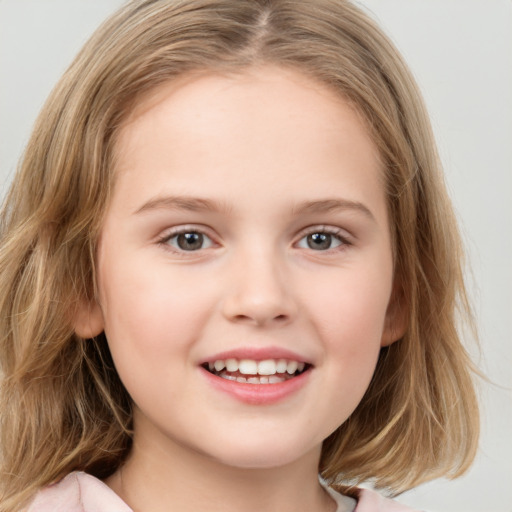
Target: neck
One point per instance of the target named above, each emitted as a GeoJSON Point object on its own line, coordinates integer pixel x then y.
{"type": "Point", "coordinates": [178, 478]}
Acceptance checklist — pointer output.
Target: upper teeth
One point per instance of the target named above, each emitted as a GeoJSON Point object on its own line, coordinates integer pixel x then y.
{"type": "Point", "coordinates": [252, 367]}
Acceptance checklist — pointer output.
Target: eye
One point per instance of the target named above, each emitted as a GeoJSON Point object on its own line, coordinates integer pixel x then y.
{"type": "Point", "coordinates": [188, 241]}
{"type": "Point", "coordinates": [321, 241]}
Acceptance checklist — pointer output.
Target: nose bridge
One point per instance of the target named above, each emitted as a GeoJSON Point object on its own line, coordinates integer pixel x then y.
{"type": "Point", "coordinates": [260, 291]}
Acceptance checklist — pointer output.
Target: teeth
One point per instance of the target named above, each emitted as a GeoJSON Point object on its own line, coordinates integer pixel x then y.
{"type": "Point", "coordinates": [232, 365]}
{"type": "Point", "coordinates": [281, 366]}
{"type": "Point", "coordinates": [248, 367]}
{"type": "Point", "coordinates": [292, 367]}
{"type": "Point", "coordinates": [219, 365]}
{"type": "Point", "coordinates": [266, 367]}
{"type": "Point", "coordinates": [273, 379]}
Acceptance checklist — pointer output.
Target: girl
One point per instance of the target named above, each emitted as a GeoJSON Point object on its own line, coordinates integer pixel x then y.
{"type": "Point", "coordinates": [229, 266]}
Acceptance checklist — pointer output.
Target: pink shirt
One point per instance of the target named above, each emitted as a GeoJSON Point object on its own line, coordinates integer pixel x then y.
{"type": "Point", "coordinates": [79, 492]}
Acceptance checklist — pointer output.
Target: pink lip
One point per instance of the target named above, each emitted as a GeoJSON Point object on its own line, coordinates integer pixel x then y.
{"type": "Point", "coordinates": [257, 354]}
{"type": "Point", "coordinates": [257, 394]}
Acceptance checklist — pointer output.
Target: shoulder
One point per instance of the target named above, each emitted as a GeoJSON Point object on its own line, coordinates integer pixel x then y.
{"type": "Point", "coordinates": [367, 501]}
{"type": "Point", "coordinates": [371, 501]}
{"type": "Point", "coordinates": [78, 492]}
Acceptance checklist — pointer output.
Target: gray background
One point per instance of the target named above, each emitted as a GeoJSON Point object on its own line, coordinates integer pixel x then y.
{"type": "Point", "coordinates": [461, 54]}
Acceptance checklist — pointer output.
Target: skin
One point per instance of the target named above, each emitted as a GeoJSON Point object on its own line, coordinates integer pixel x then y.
{"type": "Point", "coordinates": [260, 145]}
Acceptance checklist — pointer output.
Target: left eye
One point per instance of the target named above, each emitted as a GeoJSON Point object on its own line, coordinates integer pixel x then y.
{"type": "Point", "coordinates": [189, 241]}
{"type": "Point", "coordinates": [320, 241]}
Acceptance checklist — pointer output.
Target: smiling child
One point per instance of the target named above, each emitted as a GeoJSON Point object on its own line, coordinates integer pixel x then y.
{"type": "Point", "coordinates": [230, 266]}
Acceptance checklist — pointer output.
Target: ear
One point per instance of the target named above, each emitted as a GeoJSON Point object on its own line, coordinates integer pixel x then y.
{"type": "Point", "coordinates": [397, 317]}
{"type": "Point", "coordinates": [88, 321]}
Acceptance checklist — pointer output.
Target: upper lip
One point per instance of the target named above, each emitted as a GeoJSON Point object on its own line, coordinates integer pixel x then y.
{"type": "Point", "coordinates": [257, 354]}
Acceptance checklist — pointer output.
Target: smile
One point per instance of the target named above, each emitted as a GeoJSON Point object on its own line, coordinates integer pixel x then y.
{"type": "Point", "coordinates": [250, 371]}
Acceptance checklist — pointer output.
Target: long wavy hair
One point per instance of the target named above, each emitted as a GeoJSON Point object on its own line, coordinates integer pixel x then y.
{"type": "Point", "coordinates": [62, 405]}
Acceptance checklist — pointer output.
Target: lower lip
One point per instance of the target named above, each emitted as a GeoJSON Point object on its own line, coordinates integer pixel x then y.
{"type": "Point", "coordinates": [257, 394]}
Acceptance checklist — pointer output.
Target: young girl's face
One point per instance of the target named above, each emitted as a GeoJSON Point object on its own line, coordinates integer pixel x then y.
{"type": "Point", "coordinates": [248, 228]}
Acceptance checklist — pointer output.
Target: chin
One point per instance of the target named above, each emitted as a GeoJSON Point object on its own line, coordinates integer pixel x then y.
{"type": "Point", "coordinates": [266, 456]}
{"type": "Point", "coordinates": [257, 461]}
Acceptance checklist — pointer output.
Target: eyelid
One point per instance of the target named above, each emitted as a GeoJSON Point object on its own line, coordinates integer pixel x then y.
{"type": "Point", "coordinates": [340, 233]}
{"type": "Point", "coordinates": [170, 233]}
{"type": "Point", "coordinates": [343, 235]}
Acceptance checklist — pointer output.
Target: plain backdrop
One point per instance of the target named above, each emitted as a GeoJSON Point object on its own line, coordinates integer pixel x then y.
{"type": "Point", "coordinates": [461, 54]}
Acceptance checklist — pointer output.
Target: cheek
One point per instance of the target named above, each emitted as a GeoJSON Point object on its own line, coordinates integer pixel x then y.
{"type": "Point", "coordinates": [351, 330]}
{"type": "Point", "coordinates": [152, 312]}
{"type": "Point", "coordinates": [350, 320]}
{"type": "Point", "coordinates": [152, 320]}
{"type": "Point", "coordinates": [354, 305]}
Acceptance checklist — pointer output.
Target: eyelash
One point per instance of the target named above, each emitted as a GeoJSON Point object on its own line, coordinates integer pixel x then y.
{"type": "Point", "coordinates": [336, 233]}
{"type": "Point", "coordinates": [165, 239]}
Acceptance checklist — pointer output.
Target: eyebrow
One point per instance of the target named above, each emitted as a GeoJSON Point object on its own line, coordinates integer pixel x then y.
{"type": "Point", "coordinates": [196, 204]}
{"type": "Point", "coordinates": [192, 204]}
{"type": "Point", "coordinates": [335, 204]}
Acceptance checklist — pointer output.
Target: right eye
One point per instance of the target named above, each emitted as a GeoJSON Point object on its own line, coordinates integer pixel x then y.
{"type": "Point", "coordinates": [188, 241]}
{"type": "Point", "coordinates": [320, 241]}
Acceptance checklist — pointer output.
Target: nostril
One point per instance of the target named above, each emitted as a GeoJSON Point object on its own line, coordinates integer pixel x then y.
{"type": "Point", "coordinates": [242, 317]}
{"type": "Point", "coordinates": [261, 318]}
{"type": "Point", "coordinates": [257, 309]}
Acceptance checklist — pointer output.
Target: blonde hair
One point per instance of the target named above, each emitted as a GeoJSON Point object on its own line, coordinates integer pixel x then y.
{"type": "Point", "coordinates": [63, 405]}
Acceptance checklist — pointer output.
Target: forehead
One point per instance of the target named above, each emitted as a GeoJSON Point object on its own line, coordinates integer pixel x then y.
{"type": "Point", "coordinates": [266, 125]}
{"type": "Point", "coordinates": [194, 100]}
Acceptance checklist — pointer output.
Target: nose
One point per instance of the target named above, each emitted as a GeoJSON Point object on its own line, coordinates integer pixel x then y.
{"type": "Point", "coordinates": [260, 292]}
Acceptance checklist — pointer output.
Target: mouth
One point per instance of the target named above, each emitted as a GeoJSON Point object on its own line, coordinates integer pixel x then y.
{"type": "Point", "coordinates": [252, 371]}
